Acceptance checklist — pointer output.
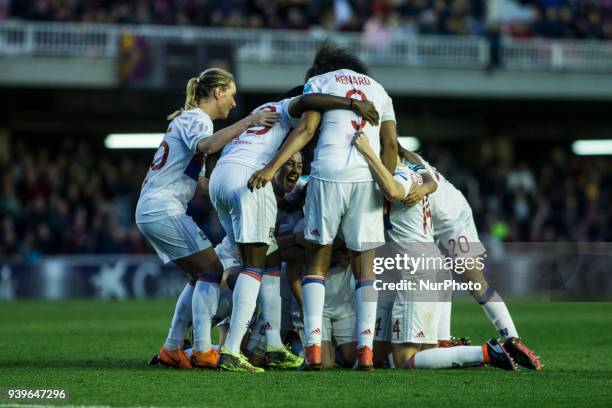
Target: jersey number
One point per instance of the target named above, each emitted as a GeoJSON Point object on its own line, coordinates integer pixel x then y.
{"type": "Point", "coordinates": [396, 329]}
{"type": "Point", "coordinates": [162, 162]}
{"type": "Point", "coordinates": [461, 242]}
{"type": "Point", "coordinates": [264, 129]}
{"type": "Point", "coordinates": [363, 97]}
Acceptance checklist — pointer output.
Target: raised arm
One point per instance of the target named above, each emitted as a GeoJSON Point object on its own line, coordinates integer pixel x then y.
{"type": "Point", "coordinates": [222, 137]}
{"type": "Point", "coordinates": [392, 189]}
{"type": "Point", "coordinates": [323, 102]}
{"type": "Point", "coordinates": [298, 138]}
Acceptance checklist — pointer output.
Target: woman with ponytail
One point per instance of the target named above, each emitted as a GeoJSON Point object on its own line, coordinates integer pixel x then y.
{"type": "Point", "coordinates": [161, 214]}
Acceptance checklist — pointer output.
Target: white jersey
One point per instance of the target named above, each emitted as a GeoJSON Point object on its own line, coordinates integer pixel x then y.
{"type": "Point", "coordinates": [409, 224]}
{"type": "Point", "coordinates": [335, 157]}
{"type": "Point", "coordinates": [172, 178]}
{"type": "Point", "coordinates": [256, 146]}
{"type": "Point", "coordinates": [448, 205]}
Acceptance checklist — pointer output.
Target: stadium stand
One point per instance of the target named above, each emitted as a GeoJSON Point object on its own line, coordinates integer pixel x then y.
{"type": "Point", "coordinates": [587, 19]}
{"type": "Point", "coordinates": [80, 198]}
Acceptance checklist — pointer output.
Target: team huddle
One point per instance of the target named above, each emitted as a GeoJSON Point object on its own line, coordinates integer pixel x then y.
{"type": "Point", "coordinates": [292, 283]}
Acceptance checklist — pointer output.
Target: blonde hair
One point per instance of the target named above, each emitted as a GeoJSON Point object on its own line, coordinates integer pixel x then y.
{"type": "Point", "coordinates": [203, 86]}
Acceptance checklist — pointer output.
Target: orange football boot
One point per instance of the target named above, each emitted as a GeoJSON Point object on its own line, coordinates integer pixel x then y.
{"type": "Point", "coordinates": [312, 360]}
{"type": "Point", "coordinates": [208, 359]}
{"type": "Point", "coordinates": [365, 359]}
{"type": "Point", "coordinates": [174, 358]}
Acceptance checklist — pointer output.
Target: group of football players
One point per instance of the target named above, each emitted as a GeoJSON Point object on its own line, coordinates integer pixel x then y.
{"type": "Point", "coordinates": [292, 283]}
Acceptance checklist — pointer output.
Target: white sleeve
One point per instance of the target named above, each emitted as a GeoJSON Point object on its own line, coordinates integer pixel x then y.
{"type": "Point", "coordinates": [199, 128]}
{"type": "Point", "coordinates": [314, 85]}
{"type": "Point", "coordinates": [387, 111]}
{"type": "Point", "coordinates": [292, 121]}
{"type": "Point", "coordinates": [403, 177]}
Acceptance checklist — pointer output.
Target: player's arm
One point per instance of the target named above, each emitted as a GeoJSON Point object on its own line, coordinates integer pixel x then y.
{"type": "Point", "coordinates": [323, 102]}
{"type": "Point", "coordinates": [202, 186]}
{"type": "Point", "coordinates": [222, 137]}
{"type": "Point", "coordinates": [392, 189]}
{"type": "Point", "coordinates": [298, 138]}
{"type": "Point", "coordinates": [388, 145]}
{"type": "Point", "coordinates": [419, 191]}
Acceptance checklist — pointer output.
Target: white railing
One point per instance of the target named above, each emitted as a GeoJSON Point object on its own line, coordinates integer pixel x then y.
{"type": "Point", "coordinates": [102, 40]}
{"type": "Point", "coordinates": [566, 55]}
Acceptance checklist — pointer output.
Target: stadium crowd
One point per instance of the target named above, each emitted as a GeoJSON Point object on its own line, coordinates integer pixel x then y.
{"type": "Point", "coordinates": [78, 198]}
{"type": "Point", "coordinates": [591, 19]}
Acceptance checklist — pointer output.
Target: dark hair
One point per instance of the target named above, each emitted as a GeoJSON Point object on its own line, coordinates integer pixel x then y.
{"type": "Point", "coordinates": [332, 57]}
{"type": "Point", "coordinates": [296, 91]}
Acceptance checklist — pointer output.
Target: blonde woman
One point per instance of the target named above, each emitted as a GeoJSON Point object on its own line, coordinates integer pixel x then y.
{"type": "Point", "coordinates": [174, 176]}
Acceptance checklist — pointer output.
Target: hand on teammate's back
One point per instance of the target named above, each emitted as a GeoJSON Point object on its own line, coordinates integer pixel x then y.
{"type": "Point", "coordinates": [416, 194]}
{"type": "Point", "coordinates": [260, 178]}
{"type": "Point", "coordinates": [366, 110]}
{"type": "Point", "coordinates": [265, 118]}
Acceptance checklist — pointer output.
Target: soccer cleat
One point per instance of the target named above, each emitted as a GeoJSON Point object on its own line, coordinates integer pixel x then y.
{"type": "Point", "coordinates": [208, 359]}
{"type": "Point", "coordinates": [521, 354]}
{"type": "Point", "coordinates": [496, 356]}
{"type": "Point", "coordinates": [174, 358]}
{"type": "Point", "coordinates": [365, 359]}
{"type": "Point", "coordinates": [236, 362]}
{"type": "Point", "coordinates": [312, 358]}
{"type": "Point", "coordinates": [282, 358]}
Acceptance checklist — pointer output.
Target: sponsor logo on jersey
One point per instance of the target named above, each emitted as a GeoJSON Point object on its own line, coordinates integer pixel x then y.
{"type": "Point", "coordinates": [316, 331]}
{"type": "Point", "coordinates": [420, 334]}
{"type": "Point", "coordinates": [366, 332]}
{"type": "Point", "coordinates": [203, 235]}
{"type": "Point", "coordinates": [267, 326]}
{"type": "Point", "coordinates": [315, 232]}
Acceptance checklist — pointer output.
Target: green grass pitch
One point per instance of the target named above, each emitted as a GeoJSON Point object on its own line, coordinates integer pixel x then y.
{"type": "Point", "coordinates": [98, 351]}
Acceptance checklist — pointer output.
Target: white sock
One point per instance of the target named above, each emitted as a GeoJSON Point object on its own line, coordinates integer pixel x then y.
{"type": "Point", "coordinates": [444, 327]}
{"type": "Point", "coordinates": [365, 303]}
{"type": "Point", "coordinates": [451, 357]}
{"type": "Point", "coordinates": [244, 301]}
{"type": "Point", "coordinates": [205, 301]}
{"type": "Point", "coordinates": [497, 312]}
{"type": "Point", "coordinates": [271, 306]}
{"type": "Point", "coordinates": [181, 318]}
{"type": "Point", "coordinates": [313, 293]}
{"type": "Point", "coordinates": [224, 309]}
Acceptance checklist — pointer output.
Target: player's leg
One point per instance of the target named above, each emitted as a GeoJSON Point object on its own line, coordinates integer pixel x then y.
{"type": "Point", "coordinates": [204, 303]}
{"type": "Point", "coordinates": [278, 356]}
{"type": "Point", "coordinates": [245, 294]}
{"type": "Point", "coordinates": [363, 230]}
{"type": "Point", "coordinates": [382, 333]}
{"type": "Point", "coordinates": [328, 354]}
{"type": "Point", "coordinates": [323, 211]}
{"type": "Point", "coordinates": [178, 238]}
{"type": "Point", "coordinates": [343, 333]}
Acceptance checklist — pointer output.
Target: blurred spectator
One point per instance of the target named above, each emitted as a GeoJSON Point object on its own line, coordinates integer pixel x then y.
{"type": "Point", "coordinates": [80, 198]}
{"type": "Point", "coordinates": [540, 18]}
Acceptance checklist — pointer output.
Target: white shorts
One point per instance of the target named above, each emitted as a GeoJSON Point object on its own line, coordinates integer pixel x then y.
{"type": "Point", "coordinates": [174, 237]}
{"type": "Point", "coordinates": [339, 328]}
{"type": "Point", "coordinates": [407, 322]}
{"type": "Point", "coordinates": [460, 239]}
{"type": "Point", "coordinates": [228, 254]}
{"type": "Point", "coordinates": [246, 217]}
{"type": "Point", "coordinates": [354, 208]}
